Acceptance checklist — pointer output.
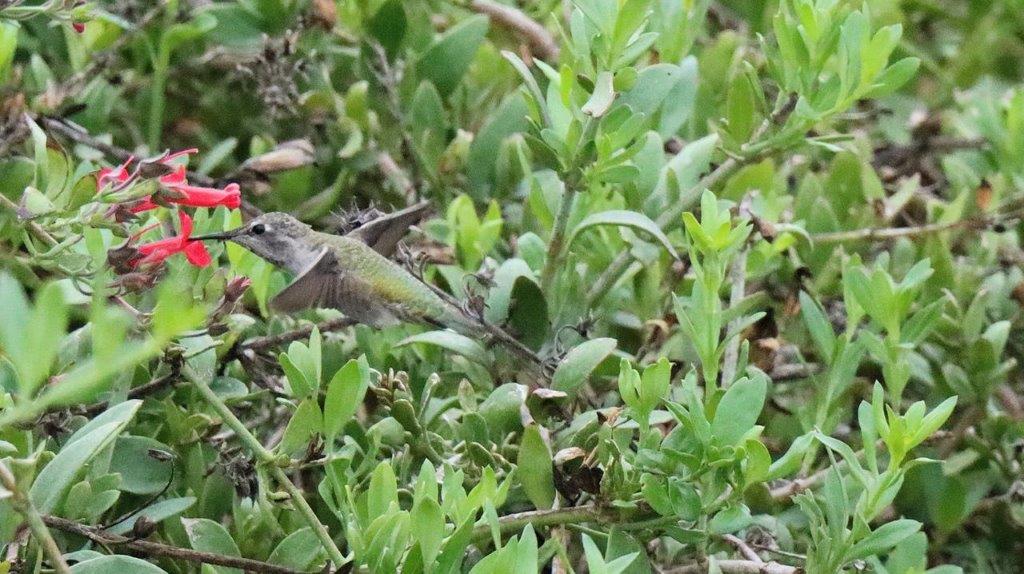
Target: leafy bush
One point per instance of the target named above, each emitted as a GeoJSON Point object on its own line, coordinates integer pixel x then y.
{"type": "Point", "coordinates": [746, 279]}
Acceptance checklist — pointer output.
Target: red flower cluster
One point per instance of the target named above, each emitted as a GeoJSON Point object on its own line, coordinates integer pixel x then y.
{"type": "Point", "coordinates": [174, 189]}
{"type": "Point", "coordinates": [176, 182]}
{"type": "Point", "coordinates": [155, 252]}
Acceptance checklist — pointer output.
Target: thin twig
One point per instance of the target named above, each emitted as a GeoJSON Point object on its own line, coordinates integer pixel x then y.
{"type": "Point", "coordinates": [270, 341]}
{"type": "Point", "coordinates": [886, 233]}
{"type": "Point", "coordinates": [742, 546]}
{"type": "Point", "coordinates": [738, 278]}
{"type": "Point", "coordinates": [33, 227]}
{"type": "Point", "coordinates": [511, 523]}
{"type": "Point", "coordinates": [735, 567]}
{"type": "Point", "coordinates": [24, 506]}
{"type": "Point", "coordinates": [536, 34]}
{"type": "Point", "coordinates": [138, 392]}
{"type": "Point", "coordinates": [164, 550]}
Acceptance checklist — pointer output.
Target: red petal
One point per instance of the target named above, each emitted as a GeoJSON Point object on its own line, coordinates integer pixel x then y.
{"type": "Point", "coordinates": [197, 254]}
{"type": "Point", "coordinates": [186, 225]}
{"type": "Point", "coordinates": [78, 26]}
{"type": "Point", "coordinates": [175, 178]}
{"type": "Point", "coordinates": [144, 205]}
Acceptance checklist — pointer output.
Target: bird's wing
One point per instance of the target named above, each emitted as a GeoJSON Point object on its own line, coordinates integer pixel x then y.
{"type": "Point", "coordinates": [384, 233]}
{"type": "Point", "coordinates": [326, 285]}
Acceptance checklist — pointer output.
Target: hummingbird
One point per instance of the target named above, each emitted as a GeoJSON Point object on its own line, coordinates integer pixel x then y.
{"type": "Point", "coordinates": [353, 274]}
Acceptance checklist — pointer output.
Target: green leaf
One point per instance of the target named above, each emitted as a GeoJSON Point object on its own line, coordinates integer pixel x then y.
{"type": "Point", "coordinates": [206, 535]}
{"type": "Point", "coordinates": [300, 550]}
{"type": "Point", "coordinates": [116, 565]}
{"type": "Point", "coordinates": [140, 472]}
{"type": "Point", "coordinates": [580, 362]}
{"type": "Point", "coordinates": [601, 100]}
{"type": "Point", "coordinates": [451, 341]}
{"type": "Point", "coordinates": [738, 410]}
{"type": "Point", "coordinates": [15, 311]}
{"type": "Point", "coordinates": [296, 379]}
{"type": "Point", "coordinates": [344, 395]}
{"type": "Point", "coordinates": [528, 312]}
{"type": "Point", "coordinates": [733, 518]}
{"type": "Point", "coordinates": [624, 218]}
{"type": "Point", "coordinates": [426, 522]}
{"type": "Point", "coordinates": [306, 423]}
{"type": "Point", "coordinates": [535, 472]}
{"type": "Point", "coordinates": [383, 490]}
{"type": "Point", "coordinates": [883, 538]}
{"type": "Point", "coordinates": [447, 59]}
{"type": "Point", "coordinates": [819, 326]}
{"type": "Point", "coordinates": [653, 83]}
{"type": "Point", "coordinates": [388, 26]}
{"type": "Point", "coordinates": [56, 478]}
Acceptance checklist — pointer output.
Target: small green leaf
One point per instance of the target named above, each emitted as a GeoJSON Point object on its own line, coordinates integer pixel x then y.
{"type": "Point", "coordinates": [446, 60]}
{"type": "Point", "coordinates": [601, 100]}
{"type": "Point", "coordinates": [344, 395]}
{"type": "Point", "coordinates": [733, 518]}
{"type": "Point", "coordinates": [580, 362]}
{"type": "Point", "coordinates": [206, 535]}
{"type": "Point", "coordinates": [535, 472]}
{"type": "Point", "coordinates": [300, 550]}
{"type": "Point", "coordinates": [739, 409]}
{"type": "Point", "coordinates": [883, 538]}
{"type": "Point", "coordinates": [388, 26]}
{"type": "Point", "coordinates": [426, 521]}
{"type": "Point", "coordinates": [306, 423]}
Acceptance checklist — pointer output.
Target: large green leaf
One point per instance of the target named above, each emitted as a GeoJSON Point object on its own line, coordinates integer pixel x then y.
{"type": "Point", "coordinates": [453, 342]}
{"type": "Point", "coordinates": [624, 218]}
{"type": "Point", "coordinates": [447, 59]}
{"type": "Point", "coordinates": [55, 479]}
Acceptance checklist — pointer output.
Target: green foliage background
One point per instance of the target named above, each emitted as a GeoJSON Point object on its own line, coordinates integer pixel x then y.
{"type": "Point", "coordinates": [768, 253]}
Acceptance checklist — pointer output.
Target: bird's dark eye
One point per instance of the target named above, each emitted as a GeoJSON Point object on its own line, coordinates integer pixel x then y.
{"type": "Point", "coordinates": [258, 229]}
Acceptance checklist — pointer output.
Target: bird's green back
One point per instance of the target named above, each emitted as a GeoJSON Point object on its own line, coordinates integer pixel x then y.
{"type": "Point", "coordinates": [388, 281]}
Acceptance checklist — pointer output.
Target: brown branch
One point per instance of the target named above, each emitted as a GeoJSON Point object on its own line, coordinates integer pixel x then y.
{"type": "Point", "coordinates": [164, 550]}
{"type": "Point", "coordinates": [742, 546]}
{"type": "Point", "coordinates": [735, 567]}
{"type": "Point", "coordinates": [267, 342]}
{"type": "Point", "coordinates": [535, 34]}
{"type": "Point", "coordinates": [794, 371]}
{"type": "Point", "coordinates": [138, 392]}
{"type": "Point", "coordinates": [886, 233]}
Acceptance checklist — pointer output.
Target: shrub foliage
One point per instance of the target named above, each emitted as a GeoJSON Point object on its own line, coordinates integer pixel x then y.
{"type": "Point", "coordinates": [764, 258]}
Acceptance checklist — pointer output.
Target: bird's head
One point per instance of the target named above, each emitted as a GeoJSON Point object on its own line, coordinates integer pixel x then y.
{"type": "Point", "coordinates": [277, 237]}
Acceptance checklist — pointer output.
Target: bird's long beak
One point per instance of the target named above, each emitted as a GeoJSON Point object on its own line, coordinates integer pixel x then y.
{"type": "Point", "coordinates": [221, 236]}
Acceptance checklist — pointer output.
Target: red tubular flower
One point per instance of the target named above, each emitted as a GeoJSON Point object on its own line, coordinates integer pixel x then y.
{"type": "Point", "coordinates": [78, 26]}
{"type": "Point", "coordinates": [156, 252]}
{"type": "Point", "coordinates": [179, 191]}
{"type": "Point", "coordinates": [115, 175]}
